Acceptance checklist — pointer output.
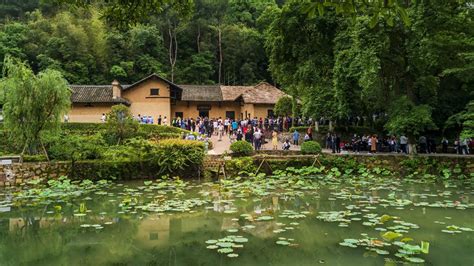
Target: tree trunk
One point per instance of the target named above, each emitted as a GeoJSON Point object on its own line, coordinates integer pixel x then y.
{"type": "Point", "coordinates": [173, 49]}
{"type": "Point", "coordinates": [198, 39]}
{"type": "Point", "coordinates": [219, 36]}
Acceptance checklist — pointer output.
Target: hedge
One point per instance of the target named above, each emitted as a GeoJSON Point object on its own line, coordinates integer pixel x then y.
{"type": "Point", "coordinates": [145, 130]}
{"type": "Point", "coordinates": [241, 148]}
{"type": "Point", "coordinates": [310, 147]}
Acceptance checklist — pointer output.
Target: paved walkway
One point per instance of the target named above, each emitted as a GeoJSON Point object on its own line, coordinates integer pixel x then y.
{"type": "Point", "coordinates": [223, 146]}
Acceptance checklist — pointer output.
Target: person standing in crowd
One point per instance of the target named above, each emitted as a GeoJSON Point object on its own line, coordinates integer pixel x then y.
{"type": "Point", "coordinates": [159, 120]}
{"type": "Point", "coordinates": [355, 144]}
{"type": "Point", "coordinates": [275, 140]}
{"type": "Point", "coordinates": [431, 145]}
{"type": "Point", "coordinates": [66, 118]}
{"type": "Point", "coordinates": [165, 121]}
{"type": "Point", "coordinates": [338, 144]}
{"type": "Point", "coordinates": [373, 144]}
{"type": "Point", "coordinates": [464, 146]}
{"type": "Point", "coordinates": [257, 138]}
{"type": "Point", "coordinates": [235, 125]}
{"type": "Point", "coordinates": [220, 131]}
{"type": "Point", "coordinates": [103, 118]}
{"type": "Point", "coordinates": [249, 134]}
{"type": "Point", "coordinates": [422, 143]}
{"type": "Point", "coordinates": [310, 133]}
{"type": "Point", "coordinates": [286, 145]}
{"type": "Point", "coordinates": [444, 144]}
{"type": "Point", "coordinates": [239, 134]}
{"type": "Point", "coordinates": [215, 126]}
{"type": "Point", "coordinates": [296, 137]}
{"type": "Point", "coordinates": [328, 141]}
{"type": "Point", "coordinates": [404, 144]}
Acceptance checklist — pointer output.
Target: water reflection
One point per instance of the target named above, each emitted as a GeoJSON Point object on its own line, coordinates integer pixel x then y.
{"type": "Point", "coordinates": [32, 236]}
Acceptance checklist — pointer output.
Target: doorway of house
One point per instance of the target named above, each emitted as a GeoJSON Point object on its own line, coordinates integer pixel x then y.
{"type": "Point", "coordinates": [203, 113]}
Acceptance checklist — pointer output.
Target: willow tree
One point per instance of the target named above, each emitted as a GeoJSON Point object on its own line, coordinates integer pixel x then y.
{"type": "Point", "coordinates": [32, 103]}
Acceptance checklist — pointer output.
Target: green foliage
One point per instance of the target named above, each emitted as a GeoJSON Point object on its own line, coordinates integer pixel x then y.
{"type": "Point", "coordinates": [381, 10]}
{"type": "Point", "coordinates": [310, 147]}
{"type": "Point", "coordinates": [86, 48]}
{"type": "Point", "coordinates": [33, 103]}
{"type": "Point", "coordinates": [408, 118]}
{"type": "Point", "coordinates": [241, 148]}
{"type": "Point", "coordinates": [348, 67]}
{"type": "Point", "coordinates": [283, 106]}
{"type": "Point", "coordinates": [240, 165]}
{"type": "Point", "coordinates": [463, 120]}
{"type": "Point", "coordinates": [34, 158]}
{"type": "Point", "coordinates": [120, 124]}
{"type": "Point", "coordinates": [74, 147]}
{"type": "Point", "coordinates": [123, 13]}
{"type": "Point", "coordinates": [132, 150]}
{"type": "Point", "coordinates": [175, 155]}
{"type": "Point", "coordinates": [468, 124]}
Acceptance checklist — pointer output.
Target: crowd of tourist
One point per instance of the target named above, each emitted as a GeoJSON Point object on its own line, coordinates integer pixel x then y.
{"type": "Point", "coordinates": [258, 130]}
{"type": "Point", "coordinates": [394, 144]}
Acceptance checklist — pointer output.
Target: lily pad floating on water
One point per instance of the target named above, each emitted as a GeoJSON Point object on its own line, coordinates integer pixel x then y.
{"type": "Point", "coordinates": [211, 241]}
{"type": "Point", "coordinates": [212, 247]}
{"type": "Point", "coordinates": [232, 255]}
{"type": "Point", "coordinates": [415, 259]}
{"type": "Point", "coordinates": [225, 250]}
{"type": "Point", "coordinates": [346, 244]}
{"type": "Point", "coordinates": [264, 218]}
{"type": "Point", "coordinates": [241, 240]}
{"type": "Point", "coordinates": [391, 235]}
{"type": "Point", "coordinates": [224, 244]}
{"type": "Point", "coordinates": [283, 243]}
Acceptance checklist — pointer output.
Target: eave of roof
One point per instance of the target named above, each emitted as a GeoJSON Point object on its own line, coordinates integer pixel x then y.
{"type": "Point", "coordinates": [154, 75]}
{"type": "Point", "coordinates": [201, 93]}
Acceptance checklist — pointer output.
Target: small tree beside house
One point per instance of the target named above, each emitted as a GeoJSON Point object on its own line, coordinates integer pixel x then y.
{"type": "Point", "coordinates": [32, 103]}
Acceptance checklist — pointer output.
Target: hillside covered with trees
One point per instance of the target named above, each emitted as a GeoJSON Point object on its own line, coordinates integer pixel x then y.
{"type": "Point", "coordinates": [410, 65]}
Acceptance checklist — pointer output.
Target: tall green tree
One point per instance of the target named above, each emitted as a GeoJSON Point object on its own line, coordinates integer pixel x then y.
{"type": "Point", "coordinates": [33, 103]}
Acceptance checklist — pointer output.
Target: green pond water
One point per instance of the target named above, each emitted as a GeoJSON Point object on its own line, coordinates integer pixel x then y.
{"type": "Point", "coordinates": [329, 220]}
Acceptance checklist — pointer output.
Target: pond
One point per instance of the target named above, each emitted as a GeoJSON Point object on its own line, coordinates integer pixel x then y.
{"type": "Point", "coordinates": [293, 218]}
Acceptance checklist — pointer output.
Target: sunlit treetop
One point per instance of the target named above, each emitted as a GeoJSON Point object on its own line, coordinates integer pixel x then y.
{"type": "Point", "coordinates": [377, 10]}
{"type": "Point", "coordinates": [124, 13]}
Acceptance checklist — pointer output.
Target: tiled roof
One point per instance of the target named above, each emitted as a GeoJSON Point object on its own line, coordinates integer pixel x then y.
{"type": "Point", "coordinates": [94, 94]}
{"type": "Point", "coordinates": [231, 93]}
{"type": "Point", "coordinates": [260, 93]}
{"type": "Point", "coordinates": [201, 93]}
{"type": "Point", "coordinates": [263, 93]}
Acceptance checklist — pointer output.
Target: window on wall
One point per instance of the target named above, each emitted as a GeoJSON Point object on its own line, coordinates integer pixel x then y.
{"type": "Point", "coordinates": [270, 113]}
{"type": "Point", "coordinates": [154, 92]}
{"type": "Point", "coordinates": [230, 114]}
{"type": "Point", "coordinates": [178, 114]}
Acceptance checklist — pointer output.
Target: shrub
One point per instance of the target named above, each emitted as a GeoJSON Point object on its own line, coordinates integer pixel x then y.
{"type": "Point", "coordinates": [310, 147]}
{"type": "Point", "coordinates": [120, 124]}
{"type": "Point", "coordinates": [241, 148]}
{"type": "Point", "coordinates": [242, 164]}
{"type": "Point", "coordinates": [74, 147]}
{"type": "Point", "coordinates": [82, 128]}
{"type": "Point", "coordinates": [175, 155]}
{"type": "Point", "coordinates": [132, 150]}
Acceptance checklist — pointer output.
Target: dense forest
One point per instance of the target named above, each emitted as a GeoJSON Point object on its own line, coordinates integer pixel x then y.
{"type": "Point", "coordinates": [412, 66]}
{"type": "Point", "coordinates": [220, 42]}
